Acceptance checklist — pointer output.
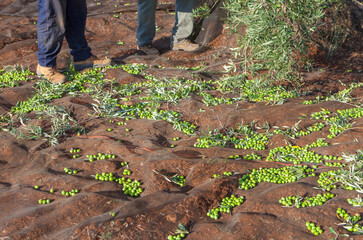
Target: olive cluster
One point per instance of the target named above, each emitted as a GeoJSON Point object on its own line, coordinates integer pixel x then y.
{"type": "Point", "coordinates": [70, 171]}
{"type": "Point", "coordinates": [255, 141]}
{"type": "Point", "coordinates": [342, 214]}
{"type": "Point", "coordinates": [336, 128]}
{"type": "Point", "coordinates": [70, 193]}
{"type": "Point", "coordinates": [100, 156]}
{"type": "Point", "coordinates": [212, 140]}
{"type": "Point", "coordinates": [316, 230]}
{"type": "Point", "coordinates": [319, 143]}
{"type": "Point", "coordinates": [252, 139]}
{"type": "Point", "coordinates": [227, 204]}
{"type": "Point", "coordinates": [134, 68]}
{"type": "Point", "coordinates": [28, 106]}
{"type": "Point", "coordinates": [184, 126]}
{"type": "Point", "coordinates": [318, 99]}
{"type": "Point", "coordinates": [327, 180]}
{"type": "Point", "coordinates": [331, 157]}
{"type": "Point", "coordinates": [355, 228]}
{"type": "Point", "coordinates": [121, 123]}
{"type": "Point", "coordinates": [280, 131]}
{"type": "Point", "coordinates": [309, 102]}
{"type": "Point", "coordinates": [209, 100]}
{"type": "Point", "coordinates": [47, 91]}
{"type": "Point", "coordinates": [356, 202]}
{"type": "Point", "coordinates": [323, 114]}
{"type": "Point", "coordinates": [75, 150]}
{"type": "Point", "coordinates": [299, 202]}
{"type": "Point", "coordinates": [335, 164]}
{"type": "Point", "coordinates": [351, 112]}
{"type": "Point", "coordinates": [130, 187]}
{"type": "Point", "coordinates": [351, 220]}
{"type": "Point", "coordinates": [274, 175]}
{"type": "Point", "coordinates": [314, 128]}
{"type": "Point", "coordinates": [176, 237]}
{"type": "Point", "coordinates": [340, 123]}
{"type": "Point", "coordinates": [124, 164]}
{"type": "Point", "coordinates": [171, 90]}
{"type": "Point", "coordinates": [44, 201]}
{"type": "Point", "coordinates": [126, 172]}
{"type": "Point", "coordinates": [105, 177]}
{"type": "Point", "coordinates": [12, 78]}
{"type": "Point", "coordinates": [294, 154]}
{"type": "Point", "coordinates": [180, 180]}
{"type": "Point", "coordinates": [180, 233]}
{"type": "Point", "coordinates": [251, 156]}
{"type": "Point", "coordinates": [264, 93]}
{"type": "Point", "coordinates": [223, 175]}
{"type": "Point", "coordinates": [169, 116]}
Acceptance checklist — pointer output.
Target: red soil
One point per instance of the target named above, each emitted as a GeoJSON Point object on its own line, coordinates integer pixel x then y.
{"type": "Point", "coordinates": [162, 205]}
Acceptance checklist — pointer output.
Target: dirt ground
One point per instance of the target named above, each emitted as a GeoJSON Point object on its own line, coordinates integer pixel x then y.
{"type": "Point", "coordinates": [101, 210]}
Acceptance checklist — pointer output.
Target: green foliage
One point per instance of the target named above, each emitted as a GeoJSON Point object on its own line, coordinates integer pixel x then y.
{"type": "Point", "coordinates": [350, 222]}
{"type": "Point", "coordinates": [278, 33]}
{"type": "Point", "coordinates": [180, 232]}
{"type": "Point", "coordinates": [202, 11]}
{"type": "Point", "coordinates": [356, 202]}
{"type": "Point", "coordinates": [170, 90]}
{"type": "Point", "coordinates": [226, 206]}
{"type": "Point", "coordinates": [336, 28]}
{"type": "Point", "coordinates": [256, 89]}
{"type": "Point", "coordinates": [296, 155]}
{"type": "Point", "coordinates": [340, 121]}
{"type": "Point", "coordinates": [11, 76]}
{"type": "Point", "coordinates": [134, 68]}
{"type": "Point", "coordinates": [301, 202]}
{"type": "Point", "coordinates": [62, 124]}
{"type": "Point", "coordinates": [274, 175]}
{"type": "Point", "coordinates": [245, 137]}
{"type": "Point", "coordinates": [46, 91]}
{"type": "Point", "coordinates": [349, 179]}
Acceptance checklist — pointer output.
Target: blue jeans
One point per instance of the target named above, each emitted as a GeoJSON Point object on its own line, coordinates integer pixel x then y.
{"type": "Point", "coordinates": [183, 27]}
{"type": "Point", "coordinates": [58, 19]}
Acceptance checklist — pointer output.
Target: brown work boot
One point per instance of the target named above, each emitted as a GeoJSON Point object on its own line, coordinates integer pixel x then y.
{"type": "Point", "coordinates": [51, 74]}
{"type": "Point", "coordinates": [148, 50]}
{"type": "Point", "coordinates": [92, 62]}
{"type": "Point", "coordinates": [185, 45]}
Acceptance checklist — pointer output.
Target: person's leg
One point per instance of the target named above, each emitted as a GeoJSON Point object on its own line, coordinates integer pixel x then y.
{"type": "Point", "coordinates": [145, 32]}
{"type": "Point", "coordinates": [50, 31]}
{"type": "Point", "coordinates": [76, 16]}
{"type": "Point", "coordinates": [183, 27]}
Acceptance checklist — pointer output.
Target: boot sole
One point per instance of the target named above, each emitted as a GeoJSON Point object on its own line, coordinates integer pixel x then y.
{"type": "Point", "coordinates": [183, 49]}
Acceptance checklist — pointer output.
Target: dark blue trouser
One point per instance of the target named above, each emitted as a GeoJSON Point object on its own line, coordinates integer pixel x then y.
{"type": "Point", "coordinates": [182, 29]}
{"type": "Point", "coordinates": [59, 18]}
